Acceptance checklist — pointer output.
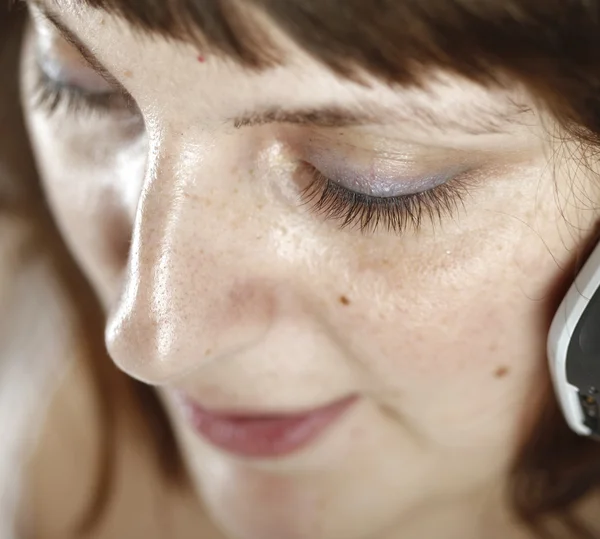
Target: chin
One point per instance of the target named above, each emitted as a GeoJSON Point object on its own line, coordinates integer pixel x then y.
{"type": "Point", "coordinates": [254, 504]}
{"type": "Point", "coordinates": [250, 504]}
{"type": "Point", "coordinates": [333, 491]}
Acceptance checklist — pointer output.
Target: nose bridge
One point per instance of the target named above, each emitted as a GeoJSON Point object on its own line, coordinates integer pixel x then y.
{"type": "Point", "coordinates": [189, 292]}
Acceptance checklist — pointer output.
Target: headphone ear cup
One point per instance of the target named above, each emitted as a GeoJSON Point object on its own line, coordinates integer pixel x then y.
{"type": "Point", "coordinates": [574, 350]}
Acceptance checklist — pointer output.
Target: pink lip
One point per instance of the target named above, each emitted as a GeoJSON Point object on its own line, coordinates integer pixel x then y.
{"type": "Point", "coordinates": [270, 436]}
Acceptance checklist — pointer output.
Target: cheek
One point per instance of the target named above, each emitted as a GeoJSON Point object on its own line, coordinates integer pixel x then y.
{"type": "Point", "coordinates": [93, 193]}
{"type": "Point", "coordinates": [455, 339]}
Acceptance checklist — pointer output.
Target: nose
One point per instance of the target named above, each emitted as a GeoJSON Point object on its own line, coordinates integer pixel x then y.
{"type": "Point", "coordinates": [193, 290]}
{"type": "Point", "coordinates": [208, 302]}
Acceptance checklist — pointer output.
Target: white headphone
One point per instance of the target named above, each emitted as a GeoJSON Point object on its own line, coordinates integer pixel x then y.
{"type": "Point", "coordinates": [574, 350]}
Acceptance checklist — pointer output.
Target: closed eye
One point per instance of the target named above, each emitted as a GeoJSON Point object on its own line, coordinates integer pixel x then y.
{"type": "Point", "coordinates": [368, 213]}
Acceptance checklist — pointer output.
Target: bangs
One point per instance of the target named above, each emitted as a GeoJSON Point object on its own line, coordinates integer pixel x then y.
{"type": "Point", "coordinates": [393, 40]}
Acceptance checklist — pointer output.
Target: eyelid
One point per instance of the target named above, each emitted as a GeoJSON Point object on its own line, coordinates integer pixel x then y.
{"type": "Point", "coordinates": [382, 175]}
{"type": "Point", "coordinates": [49, 95]}
{"type": "Point", "coordinates": [376, 183]}
{"type": "Point", "coordinates": [74, 82]}
{"type": "Point", "coordinates": [82, 76]}
{"type": "Point", "coordinates": [46, 22]}
{"type": "Point", "coordinates": [369, 213]}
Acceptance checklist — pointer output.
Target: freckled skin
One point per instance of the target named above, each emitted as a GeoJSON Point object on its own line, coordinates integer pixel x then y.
{"type": "Point", "coordinates": [236, 293]}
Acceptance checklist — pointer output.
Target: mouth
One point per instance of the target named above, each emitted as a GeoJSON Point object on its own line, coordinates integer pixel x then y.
{"type": "Point", "coordinates": [268, 436]}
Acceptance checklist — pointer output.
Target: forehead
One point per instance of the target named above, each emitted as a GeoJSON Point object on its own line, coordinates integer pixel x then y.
{"type": "Point", "coordinates": [393, 42]}
{"type": "Point", "coordinates": [441, 101]}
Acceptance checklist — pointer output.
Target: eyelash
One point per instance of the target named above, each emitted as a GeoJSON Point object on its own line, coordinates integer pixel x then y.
{"type": "Point", "coordinates": [351, 209]}
{"type": "Point", "coordinates": [50, 95]}
{"type": "Point", "coordinates": [369, 213]}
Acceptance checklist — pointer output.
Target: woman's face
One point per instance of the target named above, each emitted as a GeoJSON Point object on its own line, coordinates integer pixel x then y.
{"type": "Point", "coordinates": [270, 243]}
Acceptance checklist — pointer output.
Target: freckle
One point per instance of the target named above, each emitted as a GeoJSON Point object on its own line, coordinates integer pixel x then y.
{"type": "Point", "coordinates": [344, 300]}
{"type": "Point", "coordinates": [128, 74]}
{"type": "Point", "coordinates": [501, 372]}
{"type": "Point", "coordinates": [208, 352]}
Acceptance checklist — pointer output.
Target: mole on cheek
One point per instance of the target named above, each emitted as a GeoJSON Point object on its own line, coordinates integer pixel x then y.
{"type": "Point", "coordinates": [501, 372]}
{"type": "Point", "coordinates": [344, 300]}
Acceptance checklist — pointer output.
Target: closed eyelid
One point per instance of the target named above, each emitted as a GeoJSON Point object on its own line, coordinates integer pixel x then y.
{"type": "Point", "coordinates": [389, 182]}
{"type": "Point", "coordinates": [71, 37]}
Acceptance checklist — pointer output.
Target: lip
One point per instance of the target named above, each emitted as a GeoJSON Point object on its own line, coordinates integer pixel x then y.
{"type": "Point", "coordinates": [263, 436]}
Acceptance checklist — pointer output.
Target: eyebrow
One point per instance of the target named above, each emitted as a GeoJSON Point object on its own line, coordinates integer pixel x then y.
{"type": "Point", "coordinates": [331, 116]}
{"type": "Point", "coordinates": [477, 120]}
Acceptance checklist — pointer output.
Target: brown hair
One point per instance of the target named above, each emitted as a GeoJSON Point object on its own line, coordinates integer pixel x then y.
{"type": "Point", "coordinates": [551, 47]}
